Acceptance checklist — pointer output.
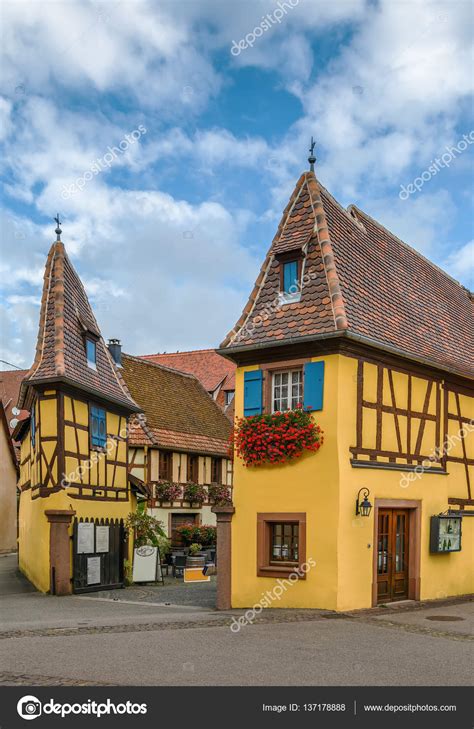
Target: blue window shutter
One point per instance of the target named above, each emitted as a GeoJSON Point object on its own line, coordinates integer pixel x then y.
{"type": "Point", "coordinates": [290, 276]}
{"type": "Point", "coordinates": [253, 392]}
{"type": "Point", "coordinates": [98, 427]}
{"type": "Point", "coordinates": [313, 386]}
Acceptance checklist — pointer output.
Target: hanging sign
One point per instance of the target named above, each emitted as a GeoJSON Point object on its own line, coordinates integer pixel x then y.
{"type": "Point", "coordinates": [102, 539]}
{"type": "Point", "coordinates": [85, 538]}
{"type": "Point", "coordinates": [93, 570]}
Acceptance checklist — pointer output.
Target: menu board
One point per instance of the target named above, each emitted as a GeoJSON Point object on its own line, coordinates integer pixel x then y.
{"type": "Point", "coordinates": [146, 564]}
{"type": "Point", "coordinates": [85, 538]}
{"type": "Point", "coordinates": [449, 535]}
{"type": "Point", "coordinates": [93, 570]}
{"type": "Point", "coordinates": [102, 539]}
{"type": "Point", "coordinates": [445, 534]}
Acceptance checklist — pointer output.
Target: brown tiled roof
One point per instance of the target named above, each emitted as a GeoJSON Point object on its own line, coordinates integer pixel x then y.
{"type": "Point", "coordinates": [10, 382]}
{"type": "Point", "coordinates": [359, 280]}
{"type": "Point", "coordinates": [210, 368]}
{"type": "Point", "coordinates": [60, 351]}
{"type": "Point", "coordinates": [178, 411]}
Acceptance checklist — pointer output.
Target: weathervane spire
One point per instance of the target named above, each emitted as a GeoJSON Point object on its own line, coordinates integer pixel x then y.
{"type": "Point", "coordinates": [312, 158]}
{"type": "Point", "coordinates": [58, 230]}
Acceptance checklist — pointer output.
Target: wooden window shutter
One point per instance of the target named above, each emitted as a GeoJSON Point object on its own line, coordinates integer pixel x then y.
{"type": "Point", "coordinates": [98, 427]}
{"type": "Point", "coordinates": [290, 275]}
{"type": "Point", "coordinates": [313, 385]}
{"type": "Point", "coordinates": [253, 393]}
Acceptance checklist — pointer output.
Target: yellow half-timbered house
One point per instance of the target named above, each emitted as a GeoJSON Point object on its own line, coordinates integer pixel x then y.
{"type": "Point", "coordinates": [377, 344]}
{"type": "Point", "coordinates": [178, 445]}
{"type": "Point", "coordinates": [74, 449]}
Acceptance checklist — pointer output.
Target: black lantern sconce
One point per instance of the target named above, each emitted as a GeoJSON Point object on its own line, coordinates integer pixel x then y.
{"type": "Point", "coordinates": [364, 507]}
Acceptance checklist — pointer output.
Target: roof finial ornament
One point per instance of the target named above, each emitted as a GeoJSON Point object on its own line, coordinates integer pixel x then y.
{"type": "Point", "coordinates": [58, 230]}
{"type": "Point", "coordinates": [312, 158]}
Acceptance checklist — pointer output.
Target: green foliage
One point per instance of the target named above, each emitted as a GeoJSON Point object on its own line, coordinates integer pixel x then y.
{"type": "Point", "coordinates": [145, 528]}
{"type": "Point", "coordinates": [204, 535]}
{"type": "Point", "coordinates": [194, 548]}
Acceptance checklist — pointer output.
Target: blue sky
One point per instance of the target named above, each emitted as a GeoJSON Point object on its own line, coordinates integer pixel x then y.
{"type": "Point", "coordinates": [210, 106]}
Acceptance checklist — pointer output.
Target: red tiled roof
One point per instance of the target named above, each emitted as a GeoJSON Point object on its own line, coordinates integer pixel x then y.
{"type": "Point", "coordinates": [207, 365]}
{"type": "Point", "coordinates": [65, 317]}
{"type": "Point", "coordinates": [359, 279]}
{"type": "Point", "coordinates": [10, 382]}
{"type": "Point", "coordinates": [178, 411]}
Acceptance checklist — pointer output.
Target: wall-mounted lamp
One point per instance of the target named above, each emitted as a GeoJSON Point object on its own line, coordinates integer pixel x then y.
{"type": "Point", "coordinates": [364, 507]}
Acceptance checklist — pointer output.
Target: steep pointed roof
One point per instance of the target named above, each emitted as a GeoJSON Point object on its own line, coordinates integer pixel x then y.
{"type": "Point", "coordinates": [65, 318]}
{"type": "Point", "coordinates": [359, 281]}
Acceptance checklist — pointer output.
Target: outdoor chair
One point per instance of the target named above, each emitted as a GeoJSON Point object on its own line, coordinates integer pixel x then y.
{"type": "Point", "coordinates": [179, 565]}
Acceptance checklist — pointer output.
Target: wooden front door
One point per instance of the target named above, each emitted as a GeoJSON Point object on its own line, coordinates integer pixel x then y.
{"type": "Point", "coordinates": [392, 555]}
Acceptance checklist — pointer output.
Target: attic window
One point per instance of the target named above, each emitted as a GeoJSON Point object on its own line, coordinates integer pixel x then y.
{"type": "Point", "coordinates": [91, 353]}
{"type": "Point", "coordinates": [290, 278]}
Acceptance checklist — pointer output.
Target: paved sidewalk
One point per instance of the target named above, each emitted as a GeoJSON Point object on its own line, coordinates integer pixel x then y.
{"type": "Point", "coordinates": [12, 581]}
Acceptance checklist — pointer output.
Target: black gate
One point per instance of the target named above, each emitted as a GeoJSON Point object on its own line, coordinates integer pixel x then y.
{"type": "Point", "coordinates": [98, 554]}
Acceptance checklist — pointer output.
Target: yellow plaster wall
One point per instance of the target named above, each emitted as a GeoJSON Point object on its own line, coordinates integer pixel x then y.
{"type": "Point", "coordinates": [309, 485]}
{"type": "Point", "coordinates": [8, 497]}
{"type": "Point", "coordinates": [34, 528]}
{"type": "Point", "coordinates": [325, 486]}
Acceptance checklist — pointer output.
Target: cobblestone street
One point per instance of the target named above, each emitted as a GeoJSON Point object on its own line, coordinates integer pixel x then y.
{"type": "Point", "coordinates": [171, 635]}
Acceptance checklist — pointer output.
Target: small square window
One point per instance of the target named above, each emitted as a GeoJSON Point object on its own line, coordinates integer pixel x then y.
{"type": "Point", "coordinates": [229, 396]}
{"type": "Point", "coordinates": [287, 390]}
{"type": "Point", "coordinates": [91, 353]}
{"type": "Point", "coordinates": [281, 544]}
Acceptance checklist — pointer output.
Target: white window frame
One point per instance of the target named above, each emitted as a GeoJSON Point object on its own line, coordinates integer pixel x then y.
{"type": "Point", "coordinates": [278, 388]}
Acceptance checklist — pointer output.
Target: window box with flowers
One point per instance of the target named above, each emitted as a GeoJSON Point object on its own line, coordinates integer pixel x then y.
{"type": "Point", "coordinates": [276, 438]}
{"type": "Point", "coordinates": [167, 492]}
{"type": "Point", "coordinates": [219, 495]}
{"type": "Point", "coordinates": [194, 493]}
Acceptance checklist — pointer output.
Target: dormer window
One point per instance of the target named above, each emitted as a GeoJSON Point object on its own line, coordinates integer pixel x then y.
{"type": "Point", "coordinates": [91, 353]}
{"type": "Point", "coordinates": [290, 277]}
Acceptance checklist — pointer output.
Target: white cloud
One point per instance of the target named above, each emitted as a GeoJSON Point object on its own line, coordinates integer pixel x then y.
{"type": "Point", "coordinates": [460, 265]}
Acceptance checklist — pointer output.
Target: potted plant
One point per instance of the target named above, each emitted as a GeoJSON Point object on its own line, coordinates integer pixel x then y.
{"type": "Point", "coordinates": [207, 535]}
{"type": "Point", "coordinates": [147, 532]}
{"type": "Point", "coordinates": [194, 493]}
{"type": "Point", "coordinates": [189, 533]}
{"type": "Point", "coordinates": [194, 559]}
